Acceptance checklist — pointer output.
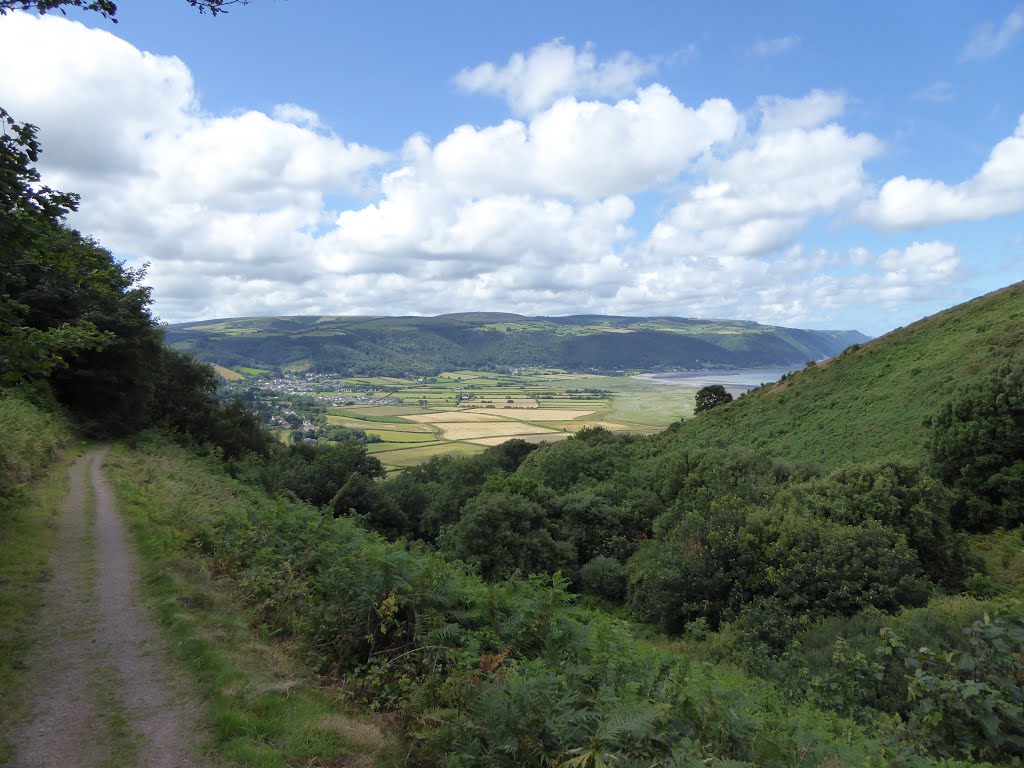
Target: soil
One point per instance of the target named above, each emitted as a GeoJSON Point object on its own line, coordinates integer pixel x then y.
{"type": "Point", "coordinates": [103, 693]}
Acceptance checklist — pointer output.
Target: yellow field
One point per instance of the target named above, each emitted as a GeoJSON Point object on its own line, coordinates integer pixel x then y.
{"type": "Point", "coordinates": [227, 373]}
{"type": "Point", "coordinates": [546, 406]}
{"type": "Point", "coordinates": [538, 414]}
{"type": "Point", "coordinates": [549, 437]}
{"type": "Point", "coordinates": [509, 429]}
{"type": "Point", "coordinates": [450, 417]}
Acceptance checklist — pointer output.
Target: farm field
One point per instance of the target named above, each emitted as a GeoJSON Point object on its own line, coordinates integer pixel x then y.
{"type": "Point", "coordinates": [463, 412]}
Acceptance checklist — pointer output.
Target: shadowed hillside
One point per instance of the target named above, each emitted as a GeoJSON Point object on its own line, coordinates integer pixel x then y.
{"type": "Point", "coordinates": [397, 346]}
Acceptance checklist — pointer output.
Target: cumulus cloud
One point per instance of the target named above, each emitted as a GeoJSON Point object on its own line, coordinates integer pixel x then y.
{"type": "Point", "coordinates": [996, 189]}
{"type": "Point", "coordinates": [780, 114]}
{"type": "Point", "coordinates": [774, 46]}
{"type": "Point", "coordinates": [538, 214]}
{"type": "Point", "coordinates": [160, 178]}
{"type": "Point", "coordinates": [758, 199]}
{"type": "Point", "coordinates": [532, 81]}
{"type": "Point", "coordinates": [920, 272]}
{"type": "Point", "coordinates": [988, 41]}
{"type": "Point", "coordinates": [583, 150]}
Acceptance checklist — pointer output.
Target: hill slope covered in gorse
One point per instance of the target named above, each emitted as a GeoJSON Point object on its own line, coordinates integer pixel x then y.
{"type": "Point", "coordinates": [429, 345]}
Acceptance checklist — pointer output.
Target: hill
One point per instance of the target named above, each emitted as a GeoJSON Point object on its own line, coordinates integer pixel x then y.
{"type": "Point", "coordinates": [396, 346]}
{"type": "Point", "coordinates": [873, 400]}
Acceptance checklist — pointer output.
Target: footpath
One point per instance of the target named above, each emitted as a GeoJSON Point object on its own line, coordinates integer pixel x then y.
{"type": "Point", "coordinates": [103, 695]}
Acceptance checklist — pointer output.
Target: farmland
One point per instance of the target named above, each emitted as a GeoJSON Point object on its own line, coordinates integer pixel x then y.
{"type": "Point", "coordinates": [463, 412]}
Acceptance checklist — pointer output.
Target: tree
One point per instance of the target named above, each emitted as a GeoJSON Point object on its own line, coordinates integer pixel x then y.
{"type": "Point", "coordinates": [897, 494]}
{"type": "Point", "coordinates": [505, 534]}
{"type": "Point", "coordinates": [107, 8]}
{"type": "Point", "coordinates": [710, 397]}
{"type": "Point", "coordinates": [31, 269]}
{"type": "Point", "coordinates": [977, 449]}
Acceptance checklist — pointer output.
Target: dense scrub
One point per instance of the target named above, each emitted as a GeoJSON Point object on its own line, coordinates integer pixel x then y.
{"type": "Point", "coordinates": [506, 674]}
{"type": "Point", "coordinates": [977, 448]}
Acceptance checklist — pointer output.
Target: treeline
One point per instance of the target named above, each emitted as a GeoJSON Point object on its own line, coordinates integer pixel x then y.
{"type": "Point", "coordinates": [76, 330]}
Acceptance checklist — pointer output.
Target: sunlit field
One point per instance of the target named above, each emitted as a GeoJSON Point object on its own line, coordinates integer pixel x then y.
{"type": "Point", "coordinates": [465, 411]}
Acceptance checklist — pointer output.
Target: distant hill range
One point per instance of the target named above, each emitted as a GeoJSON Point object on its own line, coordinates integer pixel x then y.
{"type": "Point", "coordinates": [397, 346]}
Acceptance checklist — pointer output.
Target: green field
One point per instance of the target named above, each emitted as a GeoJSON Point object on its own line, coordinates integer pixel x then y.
{"type": "Point", "coordinates": [392, 436]}
{"type": "Point", "coordinates": [400, 458]}
{"type": "Point", "coordinates": [464, 411]}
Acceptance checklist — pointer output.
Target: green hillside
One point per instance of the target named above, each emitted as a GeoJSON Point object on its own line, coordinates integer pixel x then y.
{"type": "Point", "coordinates": [398, 346]}
{"type": "Point", "coordinates": [874, 400]}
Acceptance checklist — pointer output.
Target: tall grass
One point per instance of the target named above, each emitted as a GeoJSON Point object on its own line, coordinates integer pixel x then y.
{"type": "Point", "coordinates": [29, 440]}
{"type": "Point", "coordinates": [30, 443]}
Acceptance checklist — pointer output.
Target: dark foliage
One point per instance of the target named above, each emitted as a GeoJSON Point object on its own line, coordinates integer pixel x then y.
{"type": "Point", "coordinates": [977, 449]}
{"type": "Point", "coordinates": [710, 397]}
{"type": "Point", "coordinates": [76, 323]}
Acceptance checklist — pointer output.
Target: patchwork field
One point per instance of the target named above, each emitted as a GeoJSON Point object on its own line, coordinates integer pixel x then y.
{"type": "Point", "coordinates": [464, 411]}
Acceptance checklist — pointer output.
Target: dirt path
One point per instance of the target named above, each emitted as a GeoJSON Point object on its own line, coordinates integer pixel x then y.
{"type": "Point", "coordinates": [103, 695]}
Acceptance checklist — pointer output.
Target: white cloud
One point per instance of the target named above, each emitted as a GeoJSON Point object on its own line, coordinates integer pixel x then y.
{"type": "Point", "coordinates": [534, 215]}
{"type": "Point", "coordinates": [775, 45]}
{"type": "Point", "coordinates": [532, 81]}
{"type": "Point", "coordinates": [920, 263]}
{"type": "Point", "coordinates": [161, 179]}
{"type": "Point", "coordinates": [938, 92]}
{"type": "Point", "coordinates": [988, 41]}
{"type": "Point", "coordinates": [780, 114]}
{"type": "Point", "coordinates": [918, 273]}
{"type": "Point", "coordinates": [762, 196]}
{"type": "Point", "coordinates": [293, 113]}
{"type": "Point", "coordinates": [582, 150]}
{"type": "Point", "coordinates": [996, 189]}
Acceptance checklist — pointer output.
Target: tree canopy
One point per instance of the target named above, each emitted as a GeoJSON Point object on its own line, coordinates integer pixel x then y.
{"type": "Point", "coordinates": [709, 397]}
{"type": "Point", "coordinates": [977, 449]}
{"type": "Point", "coordinates": [107, 8]}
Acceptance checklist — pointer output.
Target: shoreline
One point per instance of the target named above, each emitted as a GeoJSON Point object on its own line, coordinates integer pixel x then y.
{"type": "Point", "coordinates": [735, 381]}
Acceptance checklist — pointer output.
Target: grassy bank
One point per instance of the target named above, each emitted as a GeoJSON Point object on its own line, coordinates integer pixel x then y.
{"type": "Point", "coordinates": [32, 447]}
{"type": "Point", "coordinates": [263, 706]}
{"type": "Point", "coordinates": [874, 400]}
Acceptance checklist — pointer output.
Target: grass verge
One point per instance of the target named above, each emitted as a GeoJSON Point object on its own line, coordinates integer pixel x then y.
{"type": "Point", "coordinates": [260, 709]}
{"type": "Point", "coordinates": [27, 535]}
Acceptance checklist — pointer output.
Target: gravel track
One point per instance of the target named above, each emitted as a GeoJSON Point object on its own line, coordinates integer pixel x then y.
{"type": "Point", "coordinates": [103, 695]}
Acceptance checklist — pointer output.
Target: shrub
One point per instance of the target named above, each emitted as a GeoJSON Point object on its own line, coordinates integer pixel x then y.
{"type": "Point", "coordinates": [977, 449]}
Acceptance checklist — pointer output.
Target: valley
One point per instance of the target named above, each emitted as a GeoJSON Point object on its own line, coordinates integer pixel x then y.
{"type": "Point", "coordinates": [407, 421]}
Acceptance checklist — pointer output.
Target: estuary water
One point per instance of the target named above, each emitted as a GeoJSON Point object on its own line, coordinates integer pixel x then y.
{"type": "Point", "coordinates": [735, 380]}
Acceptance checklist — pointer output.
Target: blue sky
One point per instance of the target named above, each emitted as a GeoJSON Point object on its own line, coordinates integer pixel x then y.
{"type": "Point", "coordinates": [811, 164]}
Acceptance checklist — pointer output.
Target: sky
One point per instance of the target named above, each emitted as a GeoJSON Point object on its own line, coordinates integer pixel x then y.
{"type": "Point", "coordinates": [818, 165]}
